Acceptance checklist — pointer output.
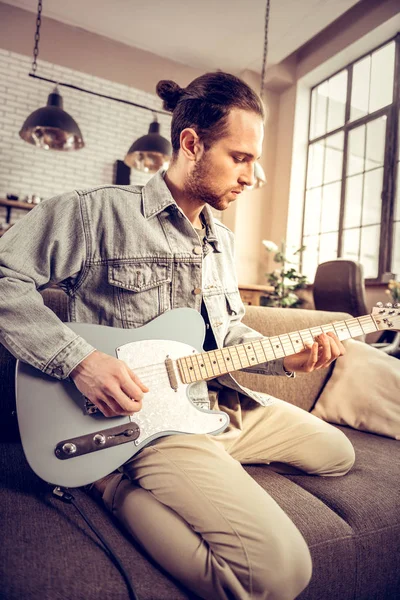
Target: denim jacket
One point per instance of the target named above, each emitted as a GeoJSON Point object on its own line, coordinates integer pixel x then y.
{"type": "Point", "coordinates": [123, 255]}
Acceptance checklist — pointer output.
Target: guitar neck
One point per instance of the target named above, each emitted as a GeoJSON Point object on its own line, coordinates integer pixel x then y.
{"type": "Point", "coordinates": [207, 365]}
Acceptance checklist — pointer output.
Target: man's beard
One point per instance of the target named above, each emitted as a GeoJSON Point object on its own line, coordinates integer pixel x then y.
{"type": "Point", "coordinates": [196, 185]}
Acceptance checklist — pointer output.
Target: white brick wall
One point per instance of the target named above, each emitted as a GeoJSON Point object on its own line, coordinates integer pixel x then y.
{"type": "Point", "coordinates": [108, 129]}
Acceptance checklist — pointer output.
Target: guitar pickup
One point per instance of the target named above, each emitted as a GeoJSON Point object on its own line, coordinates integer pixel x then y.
{"type": "Point", "coordinates": [99, 440]}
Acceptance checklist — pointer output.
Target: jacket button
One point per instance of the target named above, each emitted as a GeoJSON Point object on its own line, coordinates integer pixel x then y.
{"type": "Point", "coordinates": [197, 291]}
{"type": "Point", "coordinates": [197, 250]}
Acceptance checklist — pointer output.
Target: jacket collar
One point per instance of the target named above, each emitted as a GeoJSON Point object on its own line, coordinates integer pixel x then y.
{"type": "Point", "coordinates": [157, 197]}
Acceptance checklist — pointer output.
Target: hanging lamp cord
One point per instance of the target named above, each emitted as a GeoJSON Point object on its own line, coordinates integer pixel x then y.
{"type": "Point", "coordinates": [76, 87]}
{"type": "Point", "coordinates": [267, 9]}
{"type": "Point", "coordinates": [37, 36]}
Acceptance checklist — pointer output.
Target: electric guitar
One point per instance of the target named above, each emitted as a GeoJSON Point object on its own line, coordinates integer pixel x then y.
{"type": "Point", "coordinates": [68, 442]}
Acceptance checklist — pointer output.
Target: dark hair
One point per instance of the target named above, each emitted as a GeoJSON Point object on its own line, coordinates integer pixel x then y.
{"type": "Point", "coordinates": [205, 104]}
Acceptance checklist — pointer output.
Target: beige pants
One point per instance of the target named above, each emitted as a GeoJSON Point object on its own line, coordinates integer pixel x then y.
{"type": "Point", "coordinates": [188, 501]}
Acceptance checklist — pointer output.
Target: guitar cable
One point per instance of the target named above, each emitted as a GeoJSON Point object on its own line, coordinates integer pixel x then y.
{"type": "Point", "coordinates": [66, 496]}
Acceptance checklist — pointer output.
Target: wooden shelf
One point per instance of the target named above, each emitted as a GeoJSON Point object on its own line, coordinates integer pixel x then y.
{"type": "Point", "coordinates": [252, 293]}
{"type": "Point", "coordinates": [16, 204]}
{"type": "Point", "coordinates": [9, 205]}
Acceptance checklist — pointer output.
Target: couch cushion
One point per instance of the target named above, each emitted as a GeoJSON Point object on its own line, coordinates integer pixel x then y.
{"type": "Point", "coordinates": [368, 500]}
{"type": "Point", "coordinates": [48, 551]}
{"type": "Point", "coordinates": [305, 388]}
{"type": "Point", "coordinates": [329, 537]}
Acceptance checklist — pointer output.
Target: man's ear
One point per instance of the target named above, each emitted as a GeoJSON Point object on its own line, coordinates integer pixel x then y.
{"type": "Point", "coordinates": [191, 146]}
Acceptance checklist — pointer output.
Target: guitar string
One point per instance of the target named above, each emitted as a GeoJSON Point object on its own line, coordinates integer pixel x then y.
{"type": "Point", "coordinates": [160, 368]}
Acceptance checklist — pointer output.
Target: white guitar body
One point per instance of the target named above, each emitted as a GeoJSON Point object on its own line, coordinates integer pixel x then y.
{"type": "Point", "coordinates": [66, 446]}
{"type": "Point", "coordinates": [50, 411]}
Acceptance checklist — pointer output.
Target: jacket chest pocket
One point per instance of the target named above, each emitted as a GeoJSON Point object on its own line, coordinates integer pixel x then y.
{"type": "Point", "coordinates": [141, 290]}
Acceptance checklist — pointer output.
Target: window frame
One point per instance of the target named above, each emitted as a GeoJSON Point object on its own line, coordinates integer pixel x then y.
{"type": "Point", "coordinates": [390, 165]}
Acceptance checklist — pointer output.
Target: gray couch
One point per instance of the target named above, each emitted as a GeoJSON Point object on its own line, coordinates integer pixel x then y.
{"type": "Point", "coordinates": [351, 523]}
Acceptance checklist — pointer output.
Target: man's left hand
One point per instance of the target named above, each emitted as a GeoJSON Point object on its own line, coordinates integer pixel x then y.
{"type": "Point", "coordinates": [326, 348]}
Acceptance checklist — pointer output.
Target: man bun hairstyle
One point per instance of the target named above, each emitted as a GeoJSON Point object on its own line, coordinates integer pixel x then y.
{"type": "Point", "coordinates": [205, 104]}
{"type": "Point", "coordinates": [170, 93]}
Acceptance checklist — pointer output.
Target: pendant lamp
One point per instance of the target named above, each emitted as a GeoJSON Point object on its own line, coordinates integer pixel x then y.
{"type": "Point", "coordinates": [150, 152]}
{"type": "Point", "coordinates": [51, 128]}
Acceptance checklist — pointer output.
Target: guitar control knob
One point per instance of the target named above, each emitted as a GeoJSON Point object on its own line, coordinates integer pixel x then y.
{"type": "Point", "coordinates": [69, 448]}
{"type": "Point", "coordinates": [99, 439]}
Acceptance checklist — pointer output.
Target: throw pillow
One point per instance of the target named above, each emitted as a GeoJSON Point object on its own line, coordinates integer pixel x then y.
{"type": "Point", "coordinates": [363, 391]}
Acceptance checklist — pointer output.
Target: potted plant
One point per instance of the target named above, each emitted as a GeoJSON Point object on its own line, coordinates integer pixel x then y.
{"type": "Point", "coordinates": [285, 280]}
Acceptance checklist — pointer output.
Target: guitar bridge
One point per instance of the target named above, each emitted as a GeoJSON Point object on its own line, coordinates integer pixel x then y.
{"type": "Point", "coordinates": [99, 440]}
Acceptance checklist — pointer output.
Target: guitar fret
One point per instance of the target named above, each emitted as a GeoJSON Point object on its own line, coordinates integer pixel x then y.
{"type": "Point", "coordinates": [192, 370]}
{"type": "Point", "coordinates": [287, 344]}
{"type": "Point", "coordinates": [354, 327]}
{"type": "Point", "coordinates": [298, 344]}
{"type": "Point", "coordinates": [250, 357]}
{"type": "Point", "coordinates": [276, 346]}
{"type": "Point", "coordinates": [227, 359]}
{"type": "Point", "coordinates": [242, 356]}
{"type": "Point", "coordinates": [210, 368]}
{"type": "Point", "coordinates": [220, 361]}
{"type": "Point", "coordinates": [306, 336]}
{"type": "Point", "coordinates": [201, 365]}
{"type": "Point", "coordinates": [267, 347]}
{"type": "Point", "coordinates": [368, 325]}
{"type": "Point", "coordinates": [184, 369]}
{"type": "Point", "coordinates": [235, 359]}
{"type": "Point", "coordinates": [259, 351]}
{"type": "Point", "coordinates": [214, 362]}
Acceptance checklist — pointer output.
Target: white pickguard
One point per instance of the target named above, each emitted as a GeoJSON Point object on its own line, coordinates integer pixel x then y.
{"type": "Point", "coordinates": [163, 409]}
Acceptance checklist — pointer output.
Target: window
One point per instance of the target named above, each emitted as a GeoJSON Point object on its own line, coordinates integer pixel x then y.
{"type": "Point", "coordinates": [352, 198]}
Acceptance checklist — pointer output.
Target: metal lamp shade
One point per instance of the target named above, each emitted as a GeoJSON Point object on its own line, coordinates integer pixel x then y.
{"type": "Point", "coordinates": [150, 152]}
{"type": "Point", "coordinates": [260, 177]}
{"type": "Point", "coordinates": [51, 128]}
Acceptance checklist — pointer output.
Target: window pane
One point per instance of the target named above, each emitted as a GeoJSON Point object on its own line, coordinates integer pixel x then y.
{"type": "Point", "coordinates": [369, 253]}
{"type": "Point", "coordinates": [313, 113]}
{"type": "Point", "coordinates": [353, 201]}
{"type": "Point", "coordinates": [396, 250]}
{"type": "Point", "coordinates": [315, 165]}
{"type": "Point", "coordinates": [328, 247]}
{"type": "Point", "coordinates": [356, 149]}
{"type": "Point", "coordinates": [375, 145]}
{"type": "Point", "coordinates": [372, 204]}
{"type": "Point", "coordinates": [313, 211]}
{"type": "Point", "coordinates": [337, 100]}
{"type": "Point", "coordinates": [321, 104]}
{"type": "Point", "coordinates": [382, 75]}
{"type": "Point", "coordinates": [351, 244]}
{"type": "Point", "coordinates": [330, 207]}
{"type": "Point", "coordinates": [397, 200]}
{"type": "Point", "coordinates": [333, 158]}
{"type": "Point", "coordinates": [310, 256]}
{"type": "Point", "coordinates": [360, 89]}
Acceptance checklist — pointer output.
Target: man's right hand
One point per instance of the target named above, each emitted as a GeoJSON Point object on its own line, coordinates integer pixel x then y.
{"type": "Point", "coordinates": [109, 384]}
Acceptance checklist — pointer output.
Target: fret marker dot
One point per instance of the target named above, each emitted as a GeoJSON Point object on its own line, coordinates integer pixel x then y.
{"type": "Point", "coordinates": [252, 358]}
{"type": "Point", "coordinates": [227, 359]}
{"type": "Point", "coordinates": [191, 368]}
{"type": "Point", "coordinates": [202, 365]}
{"type": "Point", "coordinates": [214, 362]}
{"type": "Point", "coordinates": [277, 346]}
